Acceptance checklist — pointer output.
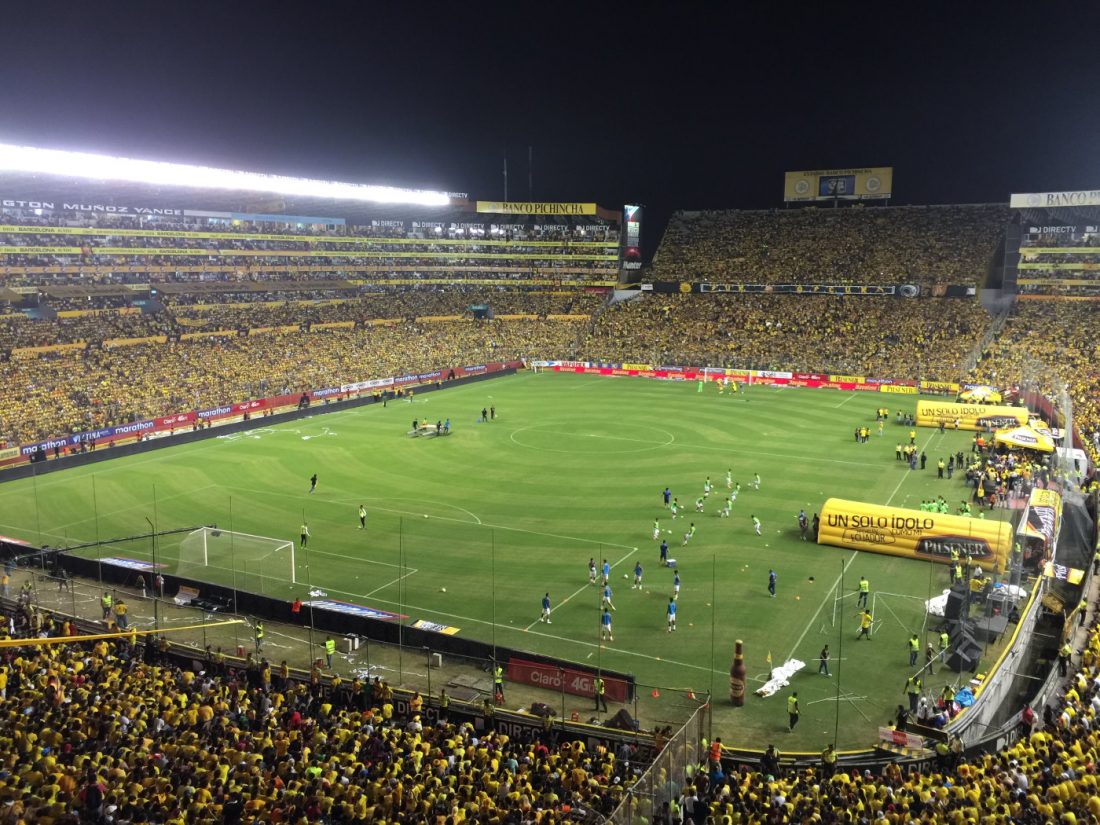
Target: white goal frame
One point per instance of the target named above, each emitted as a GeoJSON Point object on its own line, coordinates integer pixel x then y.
{"type": "Point", "coordinates": [204, 534]}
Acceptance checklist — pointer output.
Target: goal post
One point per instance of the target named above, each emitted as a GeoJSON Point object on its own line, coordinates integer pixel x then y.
{"type": "Point", "coordinates": [209, 551]}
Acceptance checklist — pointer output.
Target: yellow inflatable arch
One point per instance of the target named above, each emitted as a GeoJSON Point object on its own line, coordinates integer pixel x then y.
{"type": "Point", "coordinates": [914, 534]}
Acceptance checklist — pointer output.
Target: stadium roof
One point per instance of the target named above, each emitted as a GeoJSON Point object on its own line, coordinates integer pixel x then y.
{"type": "Point", "coordinates": [34, 174]}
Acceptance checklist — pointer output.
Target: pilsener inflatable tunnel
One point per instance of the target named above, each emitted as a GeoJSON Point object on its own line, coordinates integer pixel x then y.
{"type": "Point", "coordinates": [969, 416]}
{"type": "Point", "coordinates": [914, 534]}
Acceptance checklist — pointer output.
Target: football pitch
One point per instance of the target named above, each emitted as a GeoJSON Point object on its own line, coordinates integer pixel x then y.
{"type": "Point", "coordinates": [572, 468]}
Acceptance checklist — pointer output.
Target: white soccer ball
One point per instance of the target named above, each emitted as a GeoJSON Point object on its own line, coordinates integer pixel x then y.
{"type": "Point", "coordinates": [443, 590]}
{"type": "Point", "coordinates": [425, 515]}
{"type": "Point", "coordinates": [625, 576]}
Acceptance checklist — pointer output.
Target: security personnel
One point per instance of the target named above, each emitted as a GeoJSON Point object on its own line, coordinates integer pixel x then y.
{"type": "Point", "coordinates": [864, 591]}
{"type": "Point", "coordinates": [1063, 658]}
{"type": "Point", "coordinates": [600, 688]}
{"type": "Point", "coordinates": [956, 573]}
{"type": "Point", "coordinates": [106, 602]}
{"type": "Point", "coordinates": [914, 650]}
{"type": "Point", "coordinates": [913, 687]}
{"type": "Point", "coordinates": [793, 711]}
{"type": "Point", "coordinates": [330, 650]}
{"type": "Point", "coordinates": [259, 636]}
{"type": "Point", "coordinates": [945, 642]}
{"type": "Point", "coordinates": [828, 760]}
{"type": "Point", "coordinates": [498, 683]}
{"type": "Point", "coordinates": [866, 621]}
{"type": "Point", "coordinates": [444, 705]}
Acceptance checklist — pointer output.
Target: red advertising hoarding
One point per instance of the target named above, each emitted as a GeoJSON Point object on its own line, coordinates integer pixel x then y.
{"type": "Point", "coordinates": [570, 679]}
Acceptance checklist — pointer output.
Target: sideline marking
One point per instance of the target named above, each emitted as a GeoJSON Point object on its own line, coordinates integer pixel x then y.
{"type": "Point", "coordinates": [845, 401]}
{"type": "Point", "coordinates": [849, 562]}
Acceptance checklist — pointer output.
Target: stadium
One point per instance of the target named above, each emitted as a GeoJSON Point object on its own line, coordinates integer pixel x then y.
{"type": "Point", "coordinates": [421, 470]}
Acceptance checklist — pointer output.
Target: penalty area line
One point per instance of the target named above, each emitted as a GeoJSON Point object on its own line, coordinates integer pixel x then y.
{"type": "Point", "coordinates": [581, 590]}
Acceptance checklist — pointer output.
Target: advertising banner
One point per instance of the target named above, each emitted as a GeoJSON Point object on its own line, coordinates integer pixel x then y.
{"type": "Point", "coordinates": [839, 184]}
{"type": "Point", "coordinates": [980, 395]}
{"type": "Point", "coordinates": [572, 680]}
{"type": "Point", "coordinates": [1043, 519]}
{"type": "Point", "coordinates": [535, 208]}
{"type": "Point", "coordinates": [915, 534]}
{"type": "Point", "coordinates": [900, 389]}
{"type": "Point", "coordinates": [939, 386]}
{"type": "Point", "coordinates": [969, 416]}
{"type": "Point", "coordinates": [171, 421]}
{"type": "Point", "coordinates": [445, 629]}
{"type": "Point", "coordinates": [1031, 200]}
{"type": "Point", "coordinates": [1027, 437]}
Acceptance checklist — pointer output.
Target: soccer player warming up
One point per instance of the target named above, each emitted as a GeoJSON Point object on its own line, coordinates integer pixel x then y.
{"type": "Point", "coordinates": [545, 609]}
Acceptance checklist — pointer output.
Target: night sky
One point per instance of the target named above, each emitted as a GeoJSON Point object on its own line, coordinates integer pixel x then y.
{"type": "Point", "coordinates": [685, 106]}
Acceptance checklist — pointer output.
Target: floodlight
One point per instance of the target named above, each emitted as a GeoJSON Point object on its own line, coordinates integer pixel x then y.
{"type": "Point", "coordinates": [103, 167]}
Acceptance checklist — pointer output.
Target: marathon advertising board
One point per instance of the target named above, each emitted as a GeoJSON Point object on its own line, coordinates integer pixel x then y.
{"type": "Point", "coordinates": [576, 681]}
{"type": "Point", "coordinates": [101, 436]}
{"type": "Point", "coordinates": [916, 534]}
{"type": "Point", "coordinates": [969, 416]}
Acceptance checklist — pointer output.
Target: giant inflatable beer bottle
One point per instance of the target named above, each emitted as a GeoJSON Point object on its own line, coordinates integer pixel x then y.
{"type": "Point", "coordinates": [737, 676]}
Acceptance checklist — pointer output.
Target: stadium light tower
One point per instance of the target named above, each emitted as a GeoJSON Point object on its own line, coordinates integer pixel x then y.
{"type": "Point", "coordinates": [90, 166]}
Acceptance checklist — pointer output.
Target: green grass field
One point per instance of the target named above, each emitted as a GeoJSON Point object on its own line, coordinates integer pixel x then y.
{"type": "Point", "coordinates": [572, 468]}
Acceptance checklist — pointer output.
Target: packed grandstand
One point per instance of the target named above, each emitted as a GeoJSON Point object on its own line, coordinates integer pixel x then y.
{"type": "Point", "coordinates": [111, 318]}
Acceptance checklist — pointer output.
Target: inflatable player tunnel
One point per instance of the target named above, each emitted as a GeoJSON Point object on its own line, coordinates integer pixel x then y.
{"type": "Point", "coordinates": [914, 533]}
{"type": "Point", "coordinates": [969, 416]}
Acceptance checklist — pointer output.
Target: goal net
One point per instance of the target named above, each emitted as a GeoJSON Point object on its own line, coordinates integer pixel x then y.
{"type": "Point", "coordinates": [259, 564]}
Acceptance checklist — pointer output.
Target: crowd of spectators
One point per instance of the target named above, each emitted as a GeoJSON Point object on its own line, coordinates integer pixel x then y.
{"type": "Point", "coordinates": [110, 733]}
{"type": "Point", "coordinates": [113, 732]}
{"type": "Point", "coordinates": [881, 337]}
{"type": "Point", "coordinates": [923, 245]}
{"type": "Point", "coordinates": [146, 250]}
{"type": "Point", "coordinates": [240, 311]}
{"type": "Point", "coordinates": [1046, 345]}
{"type": "Point", "coordinates": [75, 391]}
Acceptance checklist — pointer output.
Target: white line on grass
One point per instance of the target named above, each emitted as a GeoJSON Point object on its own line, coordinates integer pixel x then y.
{"type": "Point", "coordinates": [846, 400]}
{"type": "Point", "coordinates": [398, 580]}
{"type": "Point", "coordinates": [817, 612]}
{"type": "Point", "coordinates": [350, 558]}
{"type": "Point", "coordinates": [848, 563]}
{"type": "Point", "coordinates": [448, 518]}
{"type": "Point", "coordinates": [561, 604]}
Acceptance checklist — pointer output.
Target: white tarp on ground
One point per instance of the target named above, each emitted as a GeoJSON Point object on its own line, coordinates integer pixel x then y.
{"type": "Point", "coordinates": [781, 677]}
